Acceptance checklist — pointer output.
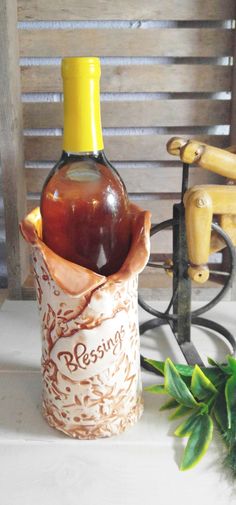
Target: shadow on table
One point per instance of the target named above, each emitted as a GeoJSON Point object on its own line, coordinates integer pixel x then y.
{"type": "Point", "coordinates": [160, 344]}
{"type": "Point", "coordinates": [13, 365]}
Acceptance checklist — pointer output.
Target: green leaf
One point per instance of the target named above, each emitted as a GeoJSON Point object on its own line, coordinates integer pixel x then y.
{"type": "Point", "coordinates": [220, 411]}
{"type": "Point", "coordinates": [201, 386]}
{"type": "Point", "coordinates": [232, 364]}
{"type": "Point", "coordinates": [158, 365]}
{"type": "Point", "coordinates": [176, 387]}
{"type": "Point", "coordinates": [156, 388]}
{"type": "Point", "coordinates": [171, 404]}
{"type": "Point", "coordinates": [223, 367]}
{"type": "Point", "coordinates": [212, 362]}
{"type": "Point", "coordinates": [204, 408]}
{"type": "Point", "coordinates": [230, 396]}
{"type": "Point", "coordinates": [198, 442]}
{"type": "Point", "coordinates": [186, 427]}
{"type": "Point", "coordinates": [185, 370]}
{"type": "Point", "coordinates": [214, 374]}
{"type": "Point", "coordinates": [180, 412]}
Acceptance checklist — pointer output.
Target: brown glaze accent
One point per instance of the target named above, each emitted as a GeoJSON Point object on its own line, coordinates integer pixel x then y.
{"type": "Point", "coordinates": [139, 250]}
{"type": "Point", "coordinates": [103, 398]}
{"type": "Point", "coordinates": [102, 406]}
{"type": "Point", "coordinates": [77, 280]}
{"type": "Point", "coordinates": [73, 279]}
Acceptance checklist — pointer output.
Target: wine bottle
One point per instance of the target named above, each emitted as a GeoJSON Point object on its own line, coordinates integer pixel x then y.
{"type": "Point", "coordinates": [84, 203]}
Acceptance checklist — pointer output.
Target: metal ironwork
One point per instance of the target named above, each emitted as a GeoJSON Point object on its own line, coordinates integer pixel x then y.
{"type": "Point", "coordinates": [183, 317]}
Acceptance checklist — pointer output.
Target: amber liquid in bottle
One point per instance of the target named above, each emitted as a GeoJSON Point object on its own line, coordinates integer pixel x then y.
{"type": "Point", "coordinates": [85, 213]}
{"type": "Point", "coordinates": [84, 203]}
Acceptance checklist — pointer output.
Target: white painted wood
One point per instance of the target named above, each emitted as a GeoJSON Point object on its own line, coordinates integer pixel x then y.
{"type": "Point", "coordinates": [20, 340]}
{"type": "Point", "coordinates": [19, 351]}
{"type": "Point", "coordinates": [113, 474]}
{"type": "Point", "coordinates": [40, 465]}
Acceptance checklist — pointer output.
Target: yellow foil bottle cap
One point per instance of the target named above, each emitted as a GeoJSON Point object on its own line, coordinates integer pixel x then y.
{"type": "Point", "coordinates": [82, 118]}
{"type": "Point", "coordinates": [80, 66]}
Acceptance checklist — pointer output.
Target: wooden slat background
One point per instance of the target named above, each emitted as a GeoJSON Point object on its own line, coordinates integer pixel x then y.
{"type": "Point", "coordinates": [144, 114]}
{"type": "Point", "coordinates": [168, 42]}
{"type": "Point", "coordinates": [233, 131]}
{"type": "Point", "coordinates": [11, 150]}
{"type": "Point", "coordinates": [149, 179]}
{"type": "Point", "coordinates": [166, 70]}
{"type": "Point", "coordinates": [121, 9]}
{"type": "Point", "coordinates": [169, 78]}
{"type": "Point", "coordinates": [118, 147]}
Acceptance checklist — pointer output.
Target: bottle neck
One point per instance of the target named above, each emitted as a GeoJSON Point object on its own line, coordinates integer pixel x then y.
{"type": "Point", "coordinates": [97, 156]}
{"type": "Point", "coordinates": [82, 118]}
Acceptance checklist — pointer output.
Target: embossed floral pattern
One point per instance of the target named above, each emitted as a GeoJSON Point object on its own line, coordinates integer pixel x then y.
{"type": "Point", "coordinates": [90, 356]}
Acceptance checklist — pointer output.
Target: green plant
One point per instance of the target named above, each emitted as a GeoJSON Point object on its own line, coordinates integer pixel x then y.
{"type": "Point", "coordinates": [206, 397]}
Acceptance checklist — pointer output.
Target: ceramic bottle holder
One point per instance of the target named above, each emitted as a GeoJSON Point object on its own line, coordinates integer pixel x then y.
{"type": "Point", "coordinates": [90, 336]}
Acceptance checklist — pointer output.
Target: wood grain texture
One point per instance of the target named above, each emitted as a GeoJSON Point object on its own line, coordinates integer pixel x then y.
{"type": "Point", "coordinates": [137, 78]}
{"type": "Point", "coordinates": [129, 114]}
{"type": "Point", "coordinates": [233, 133]}
{"type": "Point", "coordinates": [143, 179]}
{"type": "Point", "coordinates": [118, 147]}
{"type": "Point", "coordinates": [185, 42]}
{"type": "Point", "coordinates": [121, 9]}
{"type": "Point", "coordinates": [233, 101]}
{"type": "Point", "coordinates": [11, 149]}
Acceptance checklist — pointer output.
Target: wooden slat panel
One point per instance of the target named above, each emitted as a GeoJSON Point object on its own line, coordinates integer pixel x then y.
{"type": "Point", "coordinates": [119, 147]}
{"type": "Point", "coordinates": [121, 9]}
{"type": "Point", "coordinates": [162, 242]}
{"type": "Point", "coordinates": [142, 179]}
{"type": "Point", "coordinates": [12, 160]}
{"type": "Point", "coordinates": [128, 114]}
{"type": "Point", "coordinates": [233, 109]}
{"type": "Point", "coordinates": [137, 78]}
{"type": "Point", "coordinates": [233, 134]}
{"type": "Point", "coordinates": [165, 42]}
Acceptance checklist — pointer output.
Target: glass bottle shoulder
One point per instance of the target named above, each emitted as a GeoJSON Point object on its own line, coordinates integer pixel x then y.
{"type": "Point", "coordinates": [84, 176]}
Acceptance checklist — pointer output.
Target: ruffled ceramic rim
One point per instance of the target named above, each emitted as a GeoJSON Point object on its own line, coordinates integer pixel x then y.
{"type": "Point", "coordinates": [76, 280]}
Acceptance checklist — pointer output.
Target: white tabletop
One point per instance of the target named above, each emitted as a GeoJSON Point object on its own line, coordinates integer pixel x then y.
{"type": "Point", "coordinates": [41, 466]}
